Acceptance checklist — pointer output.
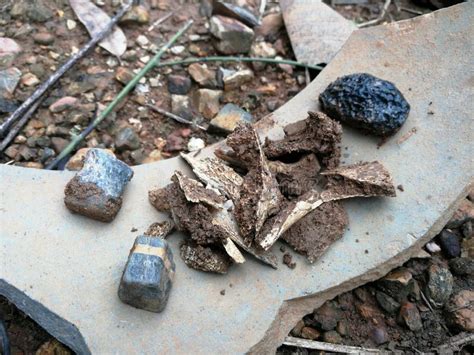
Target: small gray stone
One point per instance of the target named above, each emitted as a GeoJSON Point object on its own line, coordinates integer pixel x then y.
{"type": "Point", "coordinates": [179, 84]}
{"type": "Point", "coordinates": [462, 266]}
{"type": "Point", "coordinates": [208, 102]}
{"type": "Point", "coordinates": [439, 285]}
{"type": "Point", "coordinates": [386, 302]}
{"type": "Point", "coordinates": [44, 38]}
{"type": "Point", "coordinates": [410, 316]}
{"type": "Point", "coordinates": [96, 191]}
{"type": "Point", "coordinates": [7, 106]}
{"type": "Point", "coordinates": [397, 284]}
{"type": "Point", "coordinates": [233, 36]}
{"type": "Point", "coordinates": [181, 106]}
{"type": "Point", "coordinates": [147, 279]}
{"type": "Point", "coordinates": [127, 139]}
{"type": "Point", "coordinates": [36, 11]}
{"type": "Point", "coordinates": [228, 118]}
{"type": "Point", "coordinates": [9, 79]}
{"type": "Point", "coordinates": [332, 337]}
{"type": "Point", "coordinates": [236, 79]}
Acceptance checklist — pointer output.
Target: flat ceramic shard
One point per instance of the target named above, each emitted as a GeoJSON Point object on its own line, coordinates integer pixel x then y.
{"type": "Point", "coordinates": [307, 20]}
{"type": "Point", "coordinates": [226, 220]}
{"type": "Point", "coordinates": [358, 180]}
{"type": "Point", "coordinates": [195, 192]}
{"type": "Point", "coordinates": [317, 134]}
{"type": "Point", "coordinates": [259, 196]}
{"type": "Point", "coordinates": [215, 174]}
{"type": "Point", "coordinates": [313, 234]}
{"type": "Point", "coordinates": [39, 237]}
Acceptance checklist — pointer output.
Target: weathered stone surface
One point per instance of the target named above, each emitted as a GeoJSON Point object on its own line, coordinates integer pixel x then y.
{"type": "Point", "coordinates": [9, 50]}
{"type": "Point", "coordinates": [127, 139]}
{"type": "Point", "coordinates": [397, 284]}
{"type": "Point", "coordinates": [236, 79]}
{"type": "Point", "coordinates": [148, 275]}
{"type": "Point", "coordinates": [462, 266]}
{"type": "Point", "coordinates": [178, 84]}
{"type": "Point", "coordinates": [203, 75]}
{"type": "Point", "coordinates": [397, 227]}
{"type": "Point", "coordinates": [387, 302]}
{"type": "Point", "coordinates": [207, 102]}
{"type": "Point", "coordinates": [77, 160]}
{"type": "Point", "coordinates": [44, 38]}
{"type": "Point", "coordinates": [440, 284]}
{"type": "Point", "coordinates": [366, 102]}
{"type": "Point", "coordinates": [63, 104]}
{"type": "Point", "coordinates": [96, 191]}
{"type": "Point", "coordinates": [233, 36]}
{"type": "Point", "coordinates": [228, 118]}
{"type": "Point", "coordinates": [460, 310]}
{"type": "Point", "coordinates": [410, 316]}
{"type": "Point", "coordinates": [9, 79]}
{"type": "Point", "coordinates": [181, 106]}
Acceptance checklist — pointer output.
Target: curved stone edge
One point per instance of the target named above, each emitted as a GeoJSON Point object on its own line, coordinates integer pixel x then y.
{"type": "Point", "coordinates": [294, 309]}
{"type": "Point", "coordinates": [61, 329]}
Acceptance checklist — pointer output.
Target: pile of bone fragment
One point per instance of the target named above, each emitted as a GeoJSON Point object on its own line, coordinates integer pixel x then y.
{"type": "Point", "coordinates": [252, 194]}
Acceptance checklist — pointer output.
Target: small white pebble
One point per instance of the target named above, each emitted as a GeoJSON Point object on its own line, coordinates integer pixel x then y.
{"type": "Point", "coordinates": [112, 62]}
{"type": "Point", "coordinates": [142, 41]}
{"type": "Point", "coordinates": [432, 247]}
{"type": "Point", "coordinates": [154, 82]}
{"type": "Point", "coordinates": [142, 88]}
{"type": "Point", "coordinates": [194, 38]}
{"type": "Point", "coordinates": [71, 24]}
{"type": "Point", "coordinates": [142, 81]}
{"type": "Point", "coordinates": [53, 55]}
{"type": "Point", "coordinates": [74, 50]}
{"type": "Point", "coordinates": [177, 49]}
{"type": "Point", "coordinates": [145, 59]}
{"type": "Point", "coordinates": [195, 144]}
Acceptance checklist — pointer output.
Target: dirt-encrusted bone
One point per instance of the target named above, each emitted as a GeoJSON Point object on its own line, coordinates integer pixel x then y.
{"type": "Point", "coordinates": [160, 229]}
{"type": "Point", "coordinates": [358, 180]}
{"type": "Point", "coordinates": [313, 234]}
{"type": "Point", "coordinates": [226, 221]}
{"type": "Point", "coordinates": [195, 192]}
{"type": "Point", "coordinates": [296, 178]}
{"type": "Point", "coordinates": [158, 198]}
{"type": "Point", "coordinates": [318, 134]}
{"type": "Point", "coordinates": [215, 174]}
{"type": "Point", "coordinates": [260, 196]}
{"type": "Point", "coordinates": [205, 258]}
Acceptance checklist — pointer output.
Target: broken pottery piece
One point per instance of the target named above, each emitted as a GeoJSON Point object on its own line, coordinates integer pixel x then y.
{"type": "Point", "coordinates": [318, 134]}
{"type": "Point", "coordinates": [96, 191]}
{"type": "Point", "coordinates": [260, 196]}
{"type": "Point", "coordinates": [215, 174]}
{"type": "Point", "coordinates": [296, 178]}
{"type": "Point", "coordinates": [357, 180]}
{"type": "Point", "coordinates": [227, 222]}
{"type": "Point", "coordinates": [313, 234]}
{"type": "Point", "coordinates": [205, 258]}
{"type": "Point", "coordinates": [195, 192]}
{"type": "Point", "coordinates": [147, 279]}
{"type": "Point", "coordinates": [366, 102]}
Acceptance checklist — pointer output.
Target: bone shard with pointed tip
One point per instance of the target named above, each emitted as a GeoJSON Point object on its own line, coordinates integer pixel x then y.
{"type": "Point", "coordinates": [357, 180]}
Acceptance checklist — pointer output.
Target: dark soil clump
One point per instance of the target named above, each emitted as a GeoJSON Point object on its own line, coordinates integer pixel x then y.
{"type": "Point", "coordinates": [205, 258]}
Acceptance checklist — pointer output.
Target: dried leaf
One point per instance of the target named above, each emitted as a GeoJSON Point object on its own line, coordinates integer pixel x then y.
{"type": "Point", "coordinates": [95, 19]}
{"type": "Point", "coordinates": [216, 175]}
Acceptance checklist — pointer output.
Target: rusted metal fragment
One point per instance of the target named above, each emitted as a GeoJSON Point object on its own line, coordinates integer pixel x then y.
{"type": "Point", "coordinates": [195, 192]}
{"type": "Point", "coordinates": [160, 229]}
{"type": "Point", "coordinates": [296, 178]}
{"type": "Point", "coordinates": [158, 198]}
{"type": "Point", "coordinates": [318, 134]}
{"type": "Point", "coordinates": [358, 180]}
{"type": "Point", "coordinates": [307, 20]}
{"type": "Point", "coordinates": [259, 194]}
{"type": "Point", "coordinates": [233, 252]}
{"type": "Point", "coordinates": [226, 220]}
{"type": "Point", "coordinates": [313, 234]}
{"type": "Point", "coordinates": [215, 174]}
{"type": "Point", "coordinates": [292, 213]}
{"type": "Point", "coordinates": [205, 258]}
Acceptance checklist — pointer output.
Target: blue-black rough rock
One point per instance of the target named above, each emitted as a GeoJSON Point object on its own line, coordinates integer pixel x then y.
{"type": "Point", "coordinates": [366, 102]}
{"type": "Point", "coordinates": [147, 279]}
{"type": "Point", "coordinates": [96, 191]}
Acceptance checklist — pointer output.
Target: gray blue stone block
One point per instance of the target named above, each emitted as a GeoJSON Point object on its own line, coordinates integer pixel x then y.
{"type": "Point", "coordinates": [147, 279]}
{"type": "Point", "coordinates": [96, 191]}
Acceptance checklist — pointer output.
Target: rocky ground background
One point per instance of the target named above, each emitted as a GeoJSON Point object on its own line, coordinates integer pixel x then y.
{"type": "Point", "coordinates": [416, 308]}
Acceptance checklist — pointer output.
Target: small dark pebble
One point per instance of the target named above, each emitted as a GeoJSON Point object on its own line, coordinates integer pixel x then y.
{"type": "Point", "coordinates": [462, 266]}
{"type": "Point", "coordinates": [450, 244]}
{"type": "Point", "coordinates": [7, 106]}
{"type": "Point", "coordinates": [400, 187]}
{"type": "Point", "coordinates": [288, 261]}
{"type": "Point", "coordinates": [366, 102]}
{"type": "Point", "coordinates": [179, 84]}
{"type": "Point", "coordinates": [133, 230]}
{"type": "Point", "coordinates": [222, 292]}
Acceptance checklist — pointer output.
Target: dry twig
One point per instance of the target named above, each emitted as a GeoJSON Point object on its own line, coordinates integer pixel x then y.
{"type": "Point", "coordinates": [174, 117]}
{"type": "Point", "coordinates": [379, 18]}
{"type": "Point", "coordinates": [319, 345]}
